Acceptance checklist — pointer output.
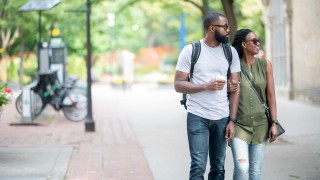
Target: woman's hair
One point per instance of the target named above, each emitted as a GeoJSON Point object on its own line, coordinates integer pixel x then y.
{"type": "Point", "coordinates": [210, 18]}
{"type": "Point", "coordinates": [238, 39]}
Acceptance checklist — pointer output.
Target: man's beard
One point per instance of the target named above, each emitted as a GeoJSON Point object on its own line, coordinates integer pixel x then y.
{"type": "Point", "coordinates": [220, 38]}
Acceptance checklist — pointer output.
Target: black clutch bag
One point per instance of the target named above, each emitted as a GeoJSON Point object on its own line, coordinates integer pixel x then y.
{"type": "Point", "coordinates": [279, 127]}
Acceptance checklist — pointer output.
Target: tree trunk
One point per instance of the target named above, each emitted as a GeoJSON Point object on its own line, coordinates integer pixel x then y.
{"type": "Point", "coordinates": [3, 9]}
{"type": "Point", "coordinates": [228, 10]}
{"type": "Point", "coordinates": [205, 11]}
{"type": "Point", "coordinates": [7, 41]}
{"type": "Point", "coordinates": [4, 67]}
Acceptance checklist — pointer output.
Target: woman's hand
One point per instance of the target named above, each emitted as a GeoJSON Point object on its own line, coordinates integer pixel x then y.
{"type": "Point", "coordinates": [232, 85]}
{"type": "Point", "coordinates": [273, 131]}
{"type": "Point", "coordinates": [230, 131]}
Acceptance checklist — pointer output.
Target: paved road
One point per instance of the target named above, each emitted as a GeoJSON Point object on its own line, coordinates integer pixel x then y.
{"type": "Point", "coordinates": [159, 123]}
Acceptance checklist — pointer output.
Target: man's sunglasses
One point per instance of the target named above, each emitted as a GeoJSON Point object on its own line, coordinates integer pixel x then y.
{"type": "Point", "coordinates": [254, 41]}
{"type": "Point", "coordinates": [225, 27]}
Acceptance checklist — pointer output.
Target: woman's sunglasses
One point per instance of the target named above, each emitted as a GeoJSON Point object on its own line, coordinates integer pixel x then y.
{"type": "Point", "coordinates": [254, 41]}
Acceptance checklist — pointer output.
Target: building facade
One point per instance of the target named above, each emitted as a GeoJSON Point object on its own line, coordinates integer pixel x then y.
{"type": "Point", "coordinates": [293, 45]}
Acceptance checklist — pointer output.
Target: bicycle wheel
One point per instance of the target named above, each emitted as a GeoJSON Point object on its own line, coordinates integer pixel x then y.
{"type": "Point", "coordinates": [75, 106]}
{"type": "Point", "coordinates": [38, 104]}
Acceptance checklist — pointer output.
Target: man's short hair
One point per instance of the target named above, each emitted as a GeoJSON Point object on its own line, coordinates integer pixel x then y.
{"type": "Point", "coordinates": [210, 18]}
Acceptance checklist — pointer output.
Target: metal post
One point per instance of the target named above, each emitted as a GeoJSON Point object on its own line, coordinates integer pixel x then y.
{"type": "Point", "coordinates": [39, 26]}
{"type": "Point", "coordinates": [89, 123]}
{"type": "Point", "coordinates": [39, 41]}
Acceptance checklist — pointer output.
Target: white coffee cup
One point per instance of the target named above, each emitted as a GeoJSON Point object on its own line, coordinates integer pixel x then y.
{"type": "Point", "coordinates": [220, 77]}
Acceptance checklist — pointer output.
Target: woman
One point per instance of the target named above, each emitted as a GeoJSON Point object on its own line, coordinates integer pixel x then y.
{"type": "Point", "coordinates": [251, 127]}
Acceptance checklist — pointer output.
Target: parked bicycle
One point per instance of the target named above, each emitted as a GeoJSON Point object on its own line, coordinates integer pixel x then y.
{"type": "Point", "coordinates": [65, 96]}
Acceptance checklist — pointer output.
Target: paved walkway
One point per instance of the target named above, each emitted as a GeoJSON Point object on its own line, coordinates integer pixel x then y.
{"type": "Point", "coordinates": [141, 135]}
{"type": "Point", "coordinates": [112, 152]}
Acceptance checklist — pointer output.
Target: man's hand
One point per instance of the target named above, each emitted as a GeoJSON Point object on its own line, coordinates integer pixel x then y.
{"type": "Point", "coordinates": [230, 131]}
{"type": "Point", "coordinates": [215, 85]}
{"type": "Point", "coordinates": [233, 85]}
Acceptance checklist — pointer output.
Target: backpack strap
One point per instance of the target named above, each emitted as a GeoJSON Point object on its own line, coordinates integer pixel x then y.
{"type": "Point", "coordinates": [183, 101]}
{"type": "Point", "coordinates": [196, 49]}
{"type": "Point", "coordinates": [228, 53]}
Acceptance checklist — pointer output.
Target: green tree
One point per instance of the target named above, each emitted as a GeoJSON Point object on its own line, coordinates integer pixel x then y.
{"type": "Point", "coordinates": [249, 14]}
{"type": "Point", "coordinates": [138, 23]}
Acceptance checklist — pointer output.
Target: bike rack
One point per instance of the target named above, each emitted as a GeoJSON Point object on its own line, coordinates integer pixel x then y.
{"type": "Point", "coordinates": [48, 90]}
{"type": "Point", "coordinates": [27, 103]}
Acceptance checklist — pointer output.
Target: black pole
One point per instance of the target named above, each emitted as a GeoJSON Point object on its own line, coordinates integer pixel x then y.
{"type": "Point", "coordinates": [39, 41]}
{"type": "Point", "coordinates": [40, 26]}
{"type": "Point", "coordinates": [89, 124]}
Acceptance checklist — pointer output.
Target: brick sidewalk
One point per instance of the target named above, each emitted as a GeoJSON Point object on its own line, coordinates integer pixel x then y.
{"type": "Point", "coordinates": [112, 152]}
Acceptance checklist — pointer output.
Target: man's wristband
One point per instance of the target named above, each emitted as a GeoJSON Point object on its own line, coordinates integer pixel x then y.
{"type": "Point", "coordinates": [275, 121]}
{"type": "Point", "coordinates": [234, 120]}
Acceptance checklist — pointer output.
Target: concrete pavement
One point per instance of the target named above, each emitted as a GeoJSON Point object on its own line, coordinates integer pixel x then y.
{"type": "Point", "coordinates": [141, 134]}
{"type": "Point", "coordinates": [159, 123]}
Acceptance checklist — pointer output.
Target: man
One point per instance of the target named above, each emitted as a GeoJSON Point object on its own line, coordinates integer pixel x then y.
{"type": "Point", "coordinates": [210, 121]}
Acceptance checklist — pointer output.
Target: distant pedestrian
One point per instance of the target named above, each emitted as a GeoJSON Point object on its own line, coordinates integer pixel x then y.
{"type": "Point", "coordinates": [126, 62]}
{"type": "Point", "coordinates": [252, 130]}
{"type": "Point", "coordinates": [208, 105]}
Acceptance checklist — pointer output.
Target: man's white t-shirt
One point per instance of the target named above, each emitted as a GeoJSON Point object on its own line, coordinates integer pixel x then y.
{"type": "Point", "coordinates": [212, 62]}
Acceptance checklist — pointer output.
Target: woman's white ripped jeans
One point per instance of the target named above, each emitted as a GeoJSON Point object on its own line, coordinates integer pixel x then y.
{"type": "Point", "coordinates": [248, 159]}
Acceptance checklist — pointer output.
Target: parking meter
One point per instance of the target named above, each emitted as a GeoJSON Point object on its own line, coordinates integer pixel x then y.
{"type": "Point", "coordinates": [53, 55]}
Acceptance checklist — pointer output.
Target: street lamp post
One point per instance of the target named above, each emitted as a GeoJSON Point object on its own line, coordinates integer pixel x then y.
{"type": "Point", "coordinates": [89, 123]}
